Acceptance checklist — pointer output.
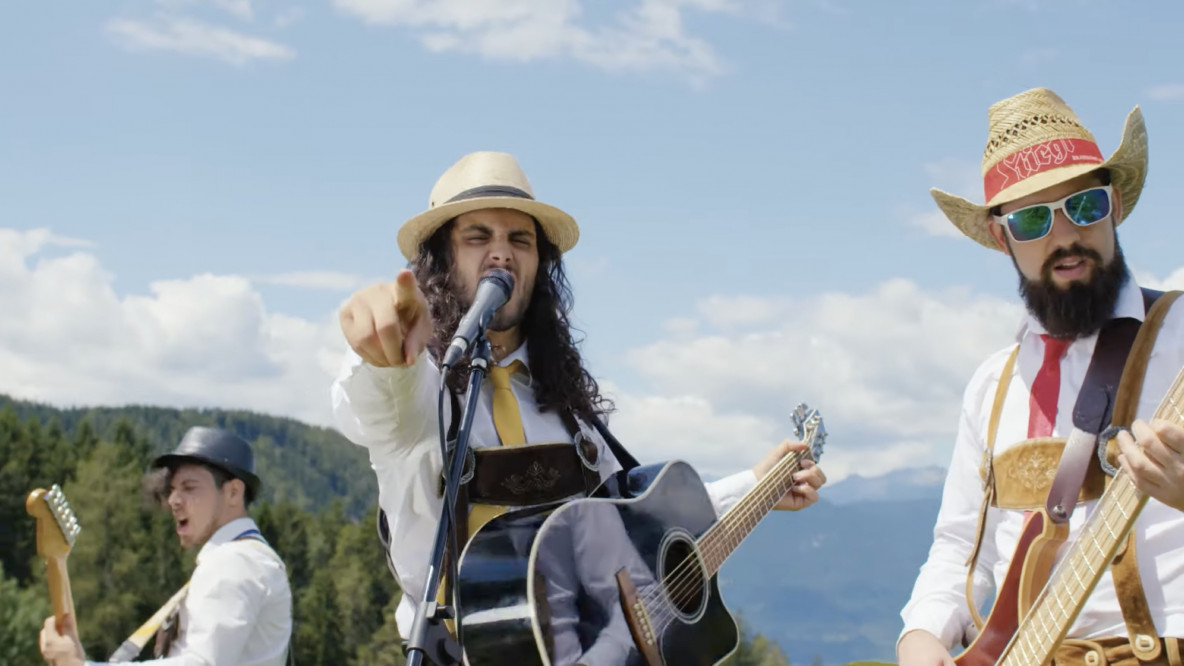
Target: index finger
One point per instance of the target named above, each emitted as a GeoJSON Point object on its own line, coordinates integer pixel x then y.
{"type": "Point", "coordinates": [405, 284]}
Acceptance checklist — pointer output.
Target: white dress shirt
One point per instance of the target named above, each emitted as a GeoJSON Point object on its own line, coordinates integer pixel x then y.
{"type": "Point", "coordinates": [392, 412]}
{"type": "Point", "coordinates": [938, 602]}
{"type": "Point", "coordinates": [238, 610]}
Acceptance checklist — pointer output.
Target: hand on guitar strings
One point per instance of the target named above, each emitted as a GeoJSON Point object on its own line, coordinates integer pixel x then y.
{"type": "Point", "coordinates": [61, 648]}
{"type": "Point", "coordinates": [1154, 457]}
{"type": "Point", "coordinates": [807, 480]}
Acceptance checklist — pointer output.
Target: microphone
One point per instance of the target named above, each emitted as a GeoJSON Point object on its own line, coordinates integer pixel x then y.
{"type": "Point", "coordinates": [492, 293]}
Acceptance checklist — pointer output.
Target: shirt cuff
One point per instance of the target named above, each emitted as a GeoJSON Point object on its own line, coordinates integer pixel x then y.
{"type": "Point", "coordinates": [937, 621]}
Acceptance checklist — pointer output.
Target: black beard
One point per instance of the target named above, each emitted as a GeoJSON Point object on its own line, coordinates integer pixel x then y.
{"type": "Point", "coordinates": [1081, 309]}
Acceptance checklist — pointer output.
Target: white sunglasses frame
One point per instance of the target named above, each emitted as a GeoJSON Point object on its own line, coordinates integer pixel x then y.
{"type": "Point", "coordinates": [1055, 206]}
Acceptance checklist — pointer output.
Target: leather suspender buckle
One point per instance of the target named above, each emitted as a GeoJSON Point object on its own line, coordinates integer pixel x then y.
{"type": "Point", "coordinates": [587, 450]}
{"type": "Point", "coordinates": [467, 471]}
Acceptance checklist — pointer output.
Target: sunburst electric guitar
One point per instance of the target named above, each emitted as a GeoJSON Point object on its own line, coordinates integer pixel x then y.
{"type": "Point", "coordinates": [615, 581]}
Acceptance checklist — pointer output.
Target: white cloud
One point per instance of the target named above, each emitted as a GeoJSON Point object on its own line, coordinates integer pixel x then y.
{"type": "Point", "coordinates": [649, 35]}
{"type": "Point", "coordinates": [955, 176]}
{"type": "Point", "coordinates": [1167, 92]}
{"type": "Point", "coordinates": [1173, 281]}
{"type": "Point", "coordinates": [68, 338]}
{"type": "Point", "coordinates": [239, 8]}
{"type": "Point", "coordinates": [196, 38]}
{"type": "Point", "coordinates": [328, 280]}
{"type": "Point", "coordinates": [934, 223]}
{"type": "Point", "coordinates": [886, 369]}
{"type": "Point", "coordinates": [289, 16]}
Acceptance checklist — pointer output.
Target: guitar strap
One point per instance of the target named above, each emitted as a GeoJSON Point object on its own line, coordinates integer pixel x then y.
{"type": "Point", "coordinates": [1093, 409]}
{"type": "Point", "coordinates": [1128, 585]}
{"type": "Point", "coordinates": [165, 622]}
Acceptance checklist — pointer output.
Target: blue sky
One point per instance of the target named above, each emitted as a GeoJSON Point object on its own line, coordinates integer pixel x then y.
{"type": "Point", "coordinates": [190, 188]}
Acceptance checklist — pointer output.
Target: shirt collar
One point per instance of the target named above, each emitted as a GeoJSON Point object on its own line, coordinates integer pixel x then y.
{"type": "Point", "coordinates": [520, 355]}
{"type": "Point", "coordinates": [1129, 305]}
{"type": "Point", "coordinates": [226, 534]}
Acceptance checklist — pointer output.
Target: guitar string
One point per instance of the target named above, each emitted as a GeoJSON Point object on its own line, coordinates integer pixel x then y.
{"type": "Point", "coordinates": [1095, 560]}
{"type": "Point", "coordinates": [1029, 653]}
{"type": "Point", "coordinates": [684, 577]}
{"type": "Point", "coordinates": [685, 580]}
{"type": "Point", "coordinates": [1024, 650]}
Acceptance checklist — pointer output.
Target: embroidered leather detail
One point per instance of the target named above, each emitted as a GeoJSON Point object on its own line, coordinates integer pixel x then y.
{"type": "Point", "coordinates": [1036, 470]}
{"type": "Point", "coordinates": [534, 479]}
{"type": "Point", "coordinates": [1024, 473]}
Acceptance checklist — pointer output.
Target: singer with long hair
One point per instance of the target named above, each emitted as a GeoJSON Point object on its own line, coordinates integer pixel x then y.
{"type": "Point", "coordinates": [482, 217]}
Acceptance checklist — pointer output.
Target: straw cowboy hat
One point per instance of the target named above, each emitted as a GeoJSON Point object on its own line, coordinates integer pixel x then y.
{"type": "Point", "coordinates": [1035, 141]}
{"type": "Point", "coordinates": [485, 180]}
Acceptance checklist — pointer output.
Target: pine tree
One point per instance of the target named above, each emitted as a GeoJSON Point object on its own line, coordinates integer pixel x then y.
{"type": "Point", "coordinates": [22, 611]}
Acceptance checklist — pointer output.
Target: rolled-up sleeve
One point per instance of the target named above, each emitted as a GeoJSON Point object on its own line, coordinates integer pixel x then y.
{"type": "Point", "coordinates": [385, 407]}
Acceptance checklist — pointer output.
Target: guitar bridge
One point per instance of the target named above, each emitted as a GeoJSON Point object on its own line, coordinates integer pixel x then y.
{"type": "Point", "coordinates": [638, 618]}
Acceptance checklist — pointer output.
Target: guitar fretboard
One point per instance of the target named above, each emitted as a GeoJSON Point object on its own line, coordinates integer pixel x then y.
{"type": "Point", "coordinates": [722, 538]}
{"type": "Point", "coordinates": [1075, 577]}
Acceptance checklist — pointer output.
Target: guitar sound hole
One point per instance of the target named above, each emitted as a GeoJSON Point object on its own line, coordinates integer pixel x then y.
{"type": "Point", "coordinates": [682, 577]}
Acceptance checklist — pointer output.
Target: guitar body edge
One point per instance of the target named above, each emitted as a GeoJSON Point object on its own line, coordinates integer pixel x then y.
{"type": "Point", "coordinates": [1026, 576]}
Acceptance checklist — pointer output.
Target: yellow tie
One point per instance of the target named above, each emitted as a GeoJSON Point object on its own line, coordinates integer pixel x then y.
{"type": "Point", "coordinates": [507, 420]}
{"type": "Point", "coordinates": [506, 417]}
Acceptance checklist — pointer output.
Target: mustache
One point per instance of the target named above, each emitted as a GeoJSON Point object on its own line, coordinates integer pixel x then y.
{"type": "Point", "coordinates": [1075, 250]}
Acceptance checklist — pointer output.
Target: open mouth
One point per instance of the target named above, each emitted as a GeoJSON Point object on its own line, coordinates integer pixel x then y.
{"type": "Point", "coordinates": [182, 523]}
{"type": "Point", "coordinates": [1071, 267]}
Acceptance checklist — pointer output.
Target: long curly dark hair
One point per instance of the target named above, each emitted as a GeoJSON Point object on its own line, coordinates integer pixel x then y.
{"type": "Point", "coordinates": [558, 374]}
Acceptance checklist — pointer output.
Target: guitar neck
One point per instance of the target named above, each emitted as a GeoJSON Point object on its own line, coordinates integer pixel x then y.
{"type": "Point", "coordinates": [722, 539]}
{"type": "Point", "coordinates": [1087, 559]}
{"type": "Point", "coordinates": [59, 588]}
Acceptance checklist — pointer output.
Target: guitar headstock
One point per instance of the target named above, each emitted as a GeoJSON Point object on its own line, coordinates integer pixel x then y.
{"type": "Point", "coordinates": [808, 428]}
{"type": "Point", "coordinates": [57, 526]}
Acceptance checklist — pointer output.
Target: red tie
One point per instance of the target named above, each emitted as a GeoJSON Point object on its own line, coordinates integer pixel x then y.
{"type": "Point", "coordinates": [1042, 405]}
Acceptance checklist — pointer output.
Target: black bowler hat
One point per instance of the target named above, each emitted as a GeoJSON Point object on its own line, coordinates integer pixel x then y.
{"type": "Point", "coordinates": [215, 447]}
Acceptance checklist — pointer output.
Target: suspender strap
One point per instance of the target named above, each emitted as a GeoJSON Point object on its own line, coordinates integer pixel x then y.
{"type": "Point", "coordinates": [987, 472]}
{"type": "Point", "coordinates": [1128, 584]}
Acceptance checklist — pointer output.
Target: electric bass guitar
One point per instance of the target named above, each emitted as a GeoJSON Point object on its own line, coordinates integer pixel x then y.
{"type": "Point", "coordinates": [615, 581]}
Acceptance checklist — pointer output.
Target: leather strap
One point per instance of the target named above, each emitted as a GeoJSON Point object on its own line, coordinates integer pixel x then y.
{"type": "Point", "coordinates": [987, 472]}
{"type": "Point", "coordinates": [1128, 584]}
{"type": "Point", "coordinates": [1091, 413]}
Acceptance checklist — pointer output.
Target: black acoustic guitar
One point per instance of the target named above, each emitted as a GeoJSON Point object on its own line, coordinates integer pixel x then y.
{"type": "Point", "coordinates": [608, 582]}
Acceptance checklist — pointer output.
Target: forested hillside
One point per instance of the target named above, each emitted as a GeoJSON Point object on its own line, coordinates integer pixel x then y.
{"type": "Point", "coordinates": [317, 509]}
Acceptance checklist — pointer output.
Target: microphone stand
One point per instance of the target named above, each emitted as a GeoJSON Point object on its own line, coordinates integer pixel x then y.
{"type": "Point", "coordinates": [429, 637]}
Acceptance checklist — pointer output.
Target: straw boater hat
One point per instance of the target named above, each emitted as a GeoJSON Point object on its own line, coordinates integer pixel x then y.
{"type": "Point", "coordinates": [485, 180]}
{"type": "Point", "coordinates": [1035, 141]}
